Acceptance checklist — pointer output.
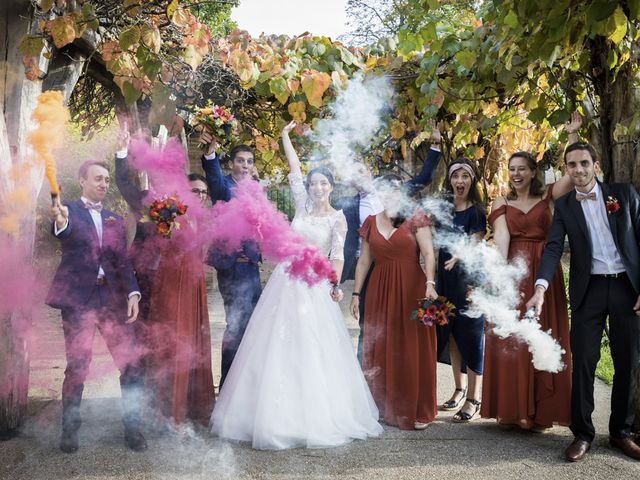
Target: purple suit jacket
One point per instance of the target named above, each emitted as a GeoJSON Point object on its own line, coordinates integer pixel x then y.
{"type": "Point", "coordinates": [82, 256]}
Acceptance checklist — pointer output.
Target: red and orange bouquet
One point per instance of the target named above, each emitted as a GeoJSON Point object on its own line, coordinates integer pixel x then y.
{"type": "Point", "coordinates": [431, 311]}
{"type": "Point", "coordinates": [163, 213]}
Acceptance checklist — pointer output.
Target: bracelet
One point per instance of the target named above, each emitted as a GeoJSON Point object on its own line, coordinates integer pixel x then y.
{"type": "Point", "coordinates": [355, 294]}
{"type": "Point", "coordinates": [430, 282]}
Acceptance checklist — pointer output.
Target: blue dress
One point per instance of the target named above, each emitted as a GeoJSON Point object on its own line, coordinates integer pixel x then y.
{"type": "Point", "coordinates": [468, 332]}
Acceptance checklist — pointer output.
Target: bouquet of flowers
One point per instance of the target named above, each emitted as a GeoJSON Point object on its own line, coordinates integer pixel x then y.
{"type": "Point", "coordinates": [432, 311]}
{"type": "Point", "coordinates": [219, 121]}
{"type": "Point", "coordinates": [163, 213]}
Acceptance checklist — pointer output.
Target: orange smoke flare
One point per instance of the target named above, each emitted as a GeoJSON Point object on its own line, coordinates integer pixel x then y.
{"type": "Point", "coordinates": [51, 116]}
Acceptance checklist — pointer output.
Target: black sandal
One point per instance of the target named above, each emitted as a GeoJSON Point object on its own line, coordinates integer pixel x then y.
{"type": "Point", "coordinates": [464, 417]}
{"type": "Point", "coordinates": [452, 404]}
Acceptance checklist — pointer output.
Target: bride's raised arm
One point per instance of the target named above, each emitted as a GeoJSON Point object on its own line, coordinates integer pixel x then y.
{"type": "Point", "coordinates": [289, 151]}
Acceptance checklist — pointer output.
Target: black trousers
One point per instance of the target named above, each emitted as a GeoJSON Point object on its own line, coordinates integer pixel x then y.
{"type": "Point", "coordinates": [613, 298]}
{"type": "Point", "coordinates": [79, 325]}
{"type": "Point", "coordinates": [240, 289]}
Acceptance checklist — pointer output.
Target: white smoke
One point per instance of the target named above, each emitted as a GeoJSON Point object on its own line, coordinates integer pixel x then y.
{"type": "Point", "coordinates": [355, 117]}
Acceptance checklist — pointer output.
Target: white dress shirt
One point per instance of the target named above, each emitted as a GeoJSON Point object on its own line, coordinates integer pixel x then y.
{"type": "Point", "coordinates": [605, 258]}
{"type": "Point", "coordinates": [370, 204]}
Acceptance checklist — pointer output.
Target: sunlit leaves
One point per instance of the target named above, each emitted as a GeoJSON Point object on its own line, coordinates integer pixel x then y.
{"type": "Point", "coordinates": [62, 30]}
{"type": "Point", "coordinates": [314, 84]}
{"type": "Point", "coordinates": [129, 37]}
{"type": "Point", "coordinates": [297, 112]}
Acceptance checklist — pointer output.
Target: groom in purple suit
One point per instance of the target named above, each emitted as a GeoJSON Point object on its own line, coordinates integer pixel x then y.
{"type": "Point", "coordinates": [94, 287]}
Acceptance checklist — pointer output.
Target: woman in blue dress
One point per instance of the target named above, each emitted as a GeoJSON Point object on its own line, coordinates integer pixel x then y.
{"type": "Point", "coordinates": [461, 341]}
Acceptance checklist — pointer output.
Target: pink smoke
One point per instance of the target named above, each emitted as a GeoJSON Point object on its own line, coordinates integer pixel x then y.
{"type": "Point", "coordinates": [250, 215]}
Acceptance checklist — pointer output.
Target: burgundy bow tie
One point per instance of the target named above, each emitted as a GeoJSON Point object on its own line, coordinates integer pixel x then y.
{"type": "Point", "coordinates": [93, 206]}
{"type": "Point", "coordinates": [585, 196]}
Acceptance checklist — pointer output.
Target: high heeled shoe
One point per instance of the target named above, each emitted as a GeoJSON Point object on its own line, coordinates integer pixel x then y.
{"type": "Point", "coordinates": [451, 404]}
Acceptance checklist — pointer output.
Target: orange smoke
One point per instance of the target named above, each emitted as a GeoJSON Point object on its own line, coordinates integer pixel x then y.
{"type": "Point", "coordinates": [51, 116]}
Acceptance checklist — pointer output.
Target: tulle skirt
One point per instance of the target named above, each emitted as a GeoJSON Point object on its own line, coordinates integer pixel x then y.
{"type": "Point", "coordinates": [295, 381]}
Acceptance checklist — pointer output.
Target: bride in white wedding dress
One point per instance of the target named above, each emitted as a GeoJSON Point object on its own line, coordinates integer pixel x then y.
{"type": "Point", "coordinates": [296, 381]}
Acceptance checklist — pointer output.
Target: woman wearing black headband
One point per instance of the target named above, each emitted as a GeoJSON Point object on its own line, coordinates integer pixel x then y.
{"type": "Point", "coordinates": [461, 341]}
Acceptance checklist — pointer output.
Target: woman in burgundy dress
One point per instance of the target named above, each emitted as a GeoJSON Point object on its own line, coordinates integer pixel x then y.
{"type": "Point", "coordinates": [514, 393]}
{"type": "Point", "coordinates": [399, 358]}
{"type": "Point", "coordinates": [179, 371]}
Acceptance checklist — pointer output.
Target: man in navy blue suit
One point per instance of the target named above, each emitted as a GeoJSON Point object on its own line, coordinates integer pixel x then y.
{"type": "Point", "coordinates": [238, 273]}
{"type": "Point", "coordinates": [94, 287]}
{"type": "Point", "coordinates": [357, 208]}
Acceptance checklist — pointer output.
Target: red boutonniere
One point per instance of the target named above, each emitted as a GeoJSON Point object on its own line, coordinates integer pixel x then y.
{"type": "Point", "coordinates": [612, 205]}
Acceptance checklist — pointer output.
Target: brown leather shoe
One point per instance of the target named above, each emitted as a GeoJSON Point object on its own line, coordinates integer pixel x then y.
{"type": "Point", "coordinates": [627, 445]}
{"type": "Point", "coordinates": [577, 450]}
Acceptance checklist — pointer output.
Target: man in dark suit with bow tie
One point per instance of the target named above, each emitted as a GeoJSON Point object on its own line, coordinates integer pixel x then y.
{"type": "Point", "coordinates": [602, 223]}
{"type": "Point", "coordinates": [94, 287]}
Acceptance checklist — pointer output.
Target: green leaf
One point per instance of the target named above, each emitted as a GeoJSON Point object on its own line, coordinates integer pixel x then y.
{"type": "Point", "coordinates": [559, 117]}
{"type": "Point", "coordinates": [612, 59]}
{"type": "Point", "coordinates": [429, 33]}
{"type": "Point", "coordinates": [511, 19]}
{"type": "Point", "coordinates": [600, 10]}
{"type": "Point", "coordinates": [433, 4]}
{"type": "Point", "coordinates": [278, 87]}
{"type": "Point", "coordinates": [614, 27]}
{"type": "Point", "coordinates": [171, 8]}
{"type": "Point", "coordinates": [89, 16]}
{"type": "Point", "coordinates": [634, 9]}
{"type": "Point", "coordinates": [537, 115]}
{"type": "Point", "coordinates": [466, 58]}
{"type": "Point", "coordinates": [129, 37]}
{"type": "Point", "coordinates": [130, 93]}
{"type": "Point", "coordinates": [31, 46]}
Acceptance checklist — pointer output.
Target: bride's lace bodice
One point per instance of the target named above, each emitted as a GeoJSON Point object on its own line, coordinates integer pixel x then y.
{"type": "Point", "coordinates": [326, 232]}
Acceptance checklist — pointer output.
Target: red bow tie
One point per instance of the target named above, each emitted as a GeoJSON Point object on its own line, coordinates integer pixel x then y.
{"type": "Point", "coordinates": [585, 196]}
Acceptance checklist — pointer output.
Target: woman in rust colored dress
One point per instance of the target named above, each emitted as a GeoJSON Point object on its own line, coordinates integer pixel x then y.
{"type": "Point", "coordinates": [179, 373]}
{"type": "Point", "coordinates": [399, 358]}
{"type": "Point", "coordinates": [514, 393]}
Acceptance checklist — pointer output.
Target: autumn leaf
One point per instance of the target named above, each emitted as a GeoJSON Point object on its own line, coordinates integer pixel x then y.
{"type": "Point", "coordinates": [192, 56]}
{"type": "Point", "coordinates": [293, 85]}
{"type": "Point", "coordinates": [314, 84]}
{"type": "Point", "coordinates": [151, 38]}
{"type": "Point", "coordinates": [181, 17]}
{"type": "Point", "coordinates": [397, 129]}
{"type": "Point", "coordinates": [131, 7]}
{"type": "Point", "coordinates": [62, 30]}
{"type": "Point", "coordinates": [31, 46]}
{"type": "Point", "coordinates": [262, 144]}
{"type": "Point", "coordinates": [31, 67]}
{"type": "Point", "coordinates": [45, 5]}
{"type": "Point", "coordinates": [130, 93]}
{"type": "Point", "coordinates": [297, 111]}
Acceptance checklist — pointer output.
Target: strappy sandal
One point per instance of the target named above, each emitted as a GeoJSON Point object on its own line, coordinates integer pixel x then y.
{"type": "Point", "coordinates": [452, 404]}
{"type": "Point", "coordinates": [464, 417]}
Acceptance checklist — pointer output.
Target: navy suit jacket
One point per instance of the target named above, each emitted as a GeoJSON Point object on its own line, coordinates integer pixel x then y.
{"type": "Point", "coordinates": [351, 208]}
{"type": "Point", "coordinates": [221, 190]}
{"type": "Point", "coordinates": [144, 253]}
{"type": "Point", "coordinates": [569, 220]}
{"type": "Point", "coordinates": [82, 256]}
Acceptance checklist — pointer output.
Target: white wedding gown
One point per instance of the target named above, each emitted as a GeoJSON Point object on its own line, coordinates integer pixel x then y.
{"type": "Point", "coordinates": [295, 380]}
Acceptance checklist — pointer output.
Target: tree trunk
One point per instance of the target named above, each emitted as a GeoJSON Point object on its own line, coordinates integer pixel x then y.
{"type": "Point", "coordinates": [17, 100]}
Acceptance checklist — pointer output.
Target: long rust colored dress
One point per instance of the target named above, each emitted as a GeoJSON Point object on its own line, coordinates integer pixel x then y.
{"type": "Point", "coordinates": [179, 374]}
{"type": "Point", "coordinates": [399, 359]}
{"type": "Point", "coordinates": [513, 392]}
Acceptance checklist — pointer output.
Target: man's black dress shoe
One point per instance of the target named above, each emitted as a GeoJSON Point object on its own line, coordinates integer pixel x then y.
{"type": "Point", "coordinates": [577, 450]}
{"type": "Point", "coordinates": [627, 445]}
{"type": "Point", "coordinates": [69, 441]}
{"type": "Point", "coordinates": [134, 440]}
